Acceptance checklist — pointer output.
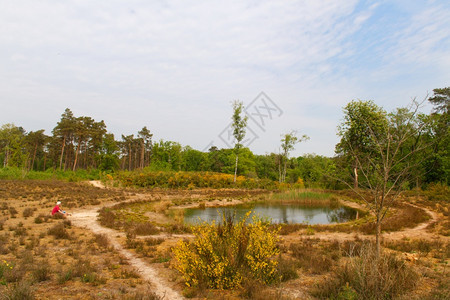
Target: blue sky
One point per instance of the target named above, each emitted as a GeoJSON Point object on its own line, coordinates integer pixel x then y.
{"type": "Point", "coordinates": [175, 66]}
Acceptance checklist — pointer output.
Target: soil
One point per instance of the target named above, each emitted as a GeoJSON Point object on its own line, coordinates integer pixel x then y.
{"type": "Point", "coordinates": [87, 218]}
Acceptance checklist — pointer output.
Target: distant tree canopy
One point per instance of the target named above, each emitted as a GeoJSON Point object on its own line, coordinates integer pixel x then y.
{"type": "Point", "coordinates": [84, 143]}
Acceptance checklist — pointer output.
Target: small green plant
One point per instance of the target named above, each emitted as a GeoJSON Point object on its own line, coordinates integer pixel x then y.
{"type": "Point", "coordinates": [65, 276]}
{"type": "Point", "coordinates": [310, 230]}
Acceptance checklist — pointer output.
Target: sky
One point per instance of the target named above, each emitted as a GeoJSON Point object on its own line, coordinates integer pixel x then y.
{"type": "Point", "coordinates": [176, 66]}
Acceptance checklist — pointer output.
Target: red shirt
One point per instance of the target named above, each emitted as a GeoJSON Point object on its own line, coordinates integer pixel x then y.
{"type": "Point", "coordinates": [55, 210]}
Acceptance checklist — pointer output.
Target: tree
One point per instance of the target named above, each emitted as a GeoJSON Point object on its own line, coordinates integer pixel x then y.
{"type": "Point", "coordinates": [64, 131]}
{"type": "Point", "coordinates": [266, 166]}
{"type": "Point", "coordinates": [83, 126]}
{"type": "Point", "coordinates": [238, 125]}
{"type": "Point", "coordinates": [11, 144]}
{"type": "Point", "coordinates": [35, 141]}
{"type": "Point", "coordinates": [437, 163]}
{"type": "Point", "coordinates": [108, 157]}
{"type": "Point", "coordinates": [441, 100]}
{"type": "Point", "coordinates": [386, 157]}
{"type": "Point", "coordinates": [288, 142]}
{"type": "Point", "coordinates": [145, 140]}
{"type": "Point", "coordinates": [313, 170]}
{"type": "Point", "coordinates": [127, 150]}
{"type": "Point", "coordinates": [362, 119]}
{"type": "Point", "coordinates": [193, 160]}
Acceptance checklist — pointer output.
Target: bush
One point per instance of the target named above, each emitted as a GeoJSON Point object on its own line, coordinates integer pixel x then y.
{"type": "Point", "coordinates": [19, 291]}
{"type": "Point", "coordinates": [222, 255]}
{"type": "Point", "coordinates": [42, 272]}
{"type": "Point", "coordinates": [28, 212]}
{"type": "Point", "coordinates": [370, 277]}
{"type": "Point", "coordinates": [190, 180]}
{"type": "Point", "coordinates": [59, 231]}
{"type": "Point", "coordinates": [145, 229]}
{"type": "Point", "coordinates": [102, 240]}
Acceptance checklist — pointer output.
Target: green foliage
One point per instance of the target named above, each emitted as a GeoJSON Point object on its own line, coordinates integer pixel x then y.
{"type": "Point", "coordinates": [361, 120]}
{"type": "Point", "coordinates": [239, 123]}
{"type": "Point", "coordinates": [79, 175]}
{"type": "Point", "coordinates": [221, 256]}
{"type": "Point", "coordinates": [302, 195]}
{"type": "Point", "coordinates": [441, 99]}
{"type": "Point", "coordinates": [81, 143]}
{"type": "Point", "coordinates": [288, 142]}
{"type": "Point", "coordinates": [148, 178]}
{"type": "Point", "coordinates": [194, 160]}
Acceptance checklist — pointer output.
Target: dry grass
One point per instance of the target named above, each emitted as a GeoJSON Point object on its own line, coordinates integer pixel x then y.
{"type": "Point", "coordinates": [314, 256]}
{"type": "Point", "coordinates": [146, 228]}
{"type": "Point", "coordinates": [59, 231]}
{"type": "Point", "coordinates": [368, 277]}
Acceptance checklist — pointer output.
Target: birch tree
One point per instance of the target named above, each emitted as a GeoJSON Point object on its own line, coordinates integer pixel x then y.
{"type": "Point", "coordinates": [288, 142]}
{"type": "Point", "coordinates": [238, 125]}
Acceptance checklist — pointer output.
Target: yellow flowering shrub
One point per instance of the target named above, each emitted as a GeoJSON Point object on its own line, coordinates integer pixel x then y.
{"type": "Point", "coordinates": [190, 180]}
{"type": "Point", "coordinates": [221, 255]}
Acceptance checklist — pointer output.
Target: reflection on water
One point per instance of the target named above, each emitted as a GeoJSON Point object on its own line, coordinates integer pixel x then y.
{"type": "Point", "coordinates": [278, 213]}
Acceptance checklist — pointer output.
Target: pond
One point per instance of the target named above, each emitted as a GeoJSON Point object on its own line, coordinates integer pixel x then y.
{"type": "Point", "coordinates": [278, 213]}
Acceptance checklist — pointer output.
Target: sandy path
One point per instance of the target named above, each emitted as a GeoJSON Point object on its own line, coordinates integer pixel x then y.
{"type": "Point", "coordinates": [418, 232]}
{"type": "Point", "coordinates": [87, 218]}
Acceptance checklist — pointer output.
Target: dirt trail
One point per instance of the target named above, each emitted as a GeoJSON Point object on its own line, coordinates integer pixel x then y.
{"type": "Point", "coordinates": [87, 218]}
{"type": "Point", "coordinates": [418, 232]}
{"type": "Point", "coordinates": [97, 183]}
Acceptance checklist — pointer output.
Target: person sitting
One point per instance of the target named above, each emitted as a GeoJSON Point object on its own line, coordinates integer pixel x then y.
{"type": "Point", "coordinates": [57, 209]}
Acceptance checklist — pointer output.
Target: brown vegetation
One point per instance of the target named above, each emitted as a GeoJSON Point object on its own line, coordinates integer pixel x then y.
{"type": "Point", "coordinates": [51, 258]}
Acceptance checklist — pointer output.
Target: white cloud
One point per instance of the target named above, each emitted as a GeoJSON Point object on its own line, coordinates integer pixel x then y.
{"type": "Point", "coordinates": [174, 66]}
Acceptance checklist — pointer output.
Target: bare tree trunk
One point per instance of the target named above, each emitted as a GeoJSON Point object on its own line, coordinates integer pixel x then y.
{"type": "Point", "coordinates": [279, 169]}
{"type": "Point", "coordinates": [235, 168]}
{"type": "Point", "coordinates": [66, 162]}
{"type": "Point", "coordinates": [129, 157]}
{"type": "Point", "coordinates": [62, 152]}
{"type": "Point", "coordinates": [142, 154]}
{"type": "Point", "coordinates": [123, 162]}
{"type": "Point", "coordinates": [34, 157]}
{"type": "Point", "coordinates": [378, 236]}
{"type": "Point", "coordinates": [76, 156]}
{"type": "Point", "coordinates": [5, 162]}
{"type": "Point", "coordinates": [355, 170]}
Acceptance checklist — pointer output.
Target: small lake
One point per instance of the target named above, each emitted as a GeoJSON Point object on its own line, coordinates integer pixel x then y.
{"type": "Point", "coordinates": [278, 213]}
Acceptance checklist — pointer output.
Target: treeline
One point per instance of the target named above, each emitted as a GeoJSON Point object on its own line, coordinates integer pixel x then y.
{"type": "Point", "coordinates": [82, 143]}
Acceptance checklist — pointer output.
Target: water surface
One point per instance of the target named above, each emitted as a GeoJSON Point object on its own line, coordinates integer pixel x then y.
{"type": "Point", "coordinates": [278, 213]}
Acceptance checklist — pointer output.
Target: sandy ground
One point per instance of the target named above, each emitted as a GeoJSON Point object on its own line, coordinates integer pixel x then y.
{"type": "Point", "coordinates": [87, 218]}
